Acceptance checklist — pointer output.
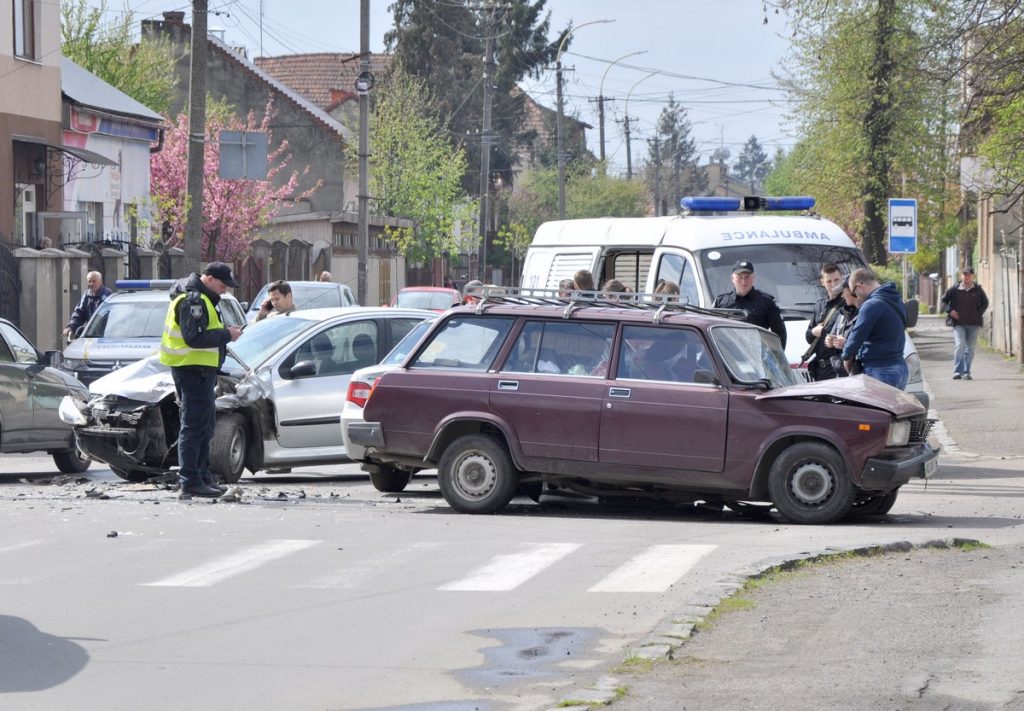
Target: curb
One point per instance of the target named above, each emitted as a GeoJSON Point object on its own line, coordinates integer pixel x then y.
{"type": "Point", "coordinates": [664, 643]}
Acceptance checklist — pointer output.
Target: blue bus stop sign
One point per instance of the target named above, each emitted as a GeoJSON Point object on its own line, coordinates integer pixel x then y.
{"type": "Point", "coordinates": [902, 227]}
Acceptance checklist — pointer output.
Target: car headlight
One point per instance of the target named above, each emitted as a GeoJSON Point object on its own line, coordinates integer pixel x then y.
{"type": "Point", "coordinates": [73, 363]}
{"type": "Point", "coordinates": [899, 433]}
{"type": "Point", "coordinates": [914, 368]}
{"type": "Point", "coordinates": [69, 411]}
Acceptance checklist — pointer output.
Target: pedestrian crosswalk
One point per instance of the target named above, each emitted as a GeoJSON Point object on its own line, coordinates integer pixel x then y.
{"type": "Point", "coordinates": [593, 567]}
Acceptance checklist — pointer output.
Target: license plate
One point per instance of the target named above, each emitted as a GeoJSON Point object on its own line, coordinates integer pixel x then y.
{"type": "Point", "coordinates": [930, 467]}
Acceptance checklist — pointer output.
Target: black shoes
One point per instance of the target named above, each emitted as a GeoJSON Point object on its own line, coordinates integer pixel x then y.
{"type": "Point", "coordinates": [967, 376]}
{"type": "Point", "coordinates": [201, 489]}
{"type": "Point", "coordinates": [964, 376]}
{"type": "Point", "coordinates": [957, 376]}
{"type": "Point", "coordinates": [214, 485]}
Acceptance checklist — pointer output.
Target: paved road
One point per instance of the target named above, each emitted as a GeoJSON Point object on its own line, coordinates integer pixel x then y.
{"type": "Point", "coordinates": [318, 592]}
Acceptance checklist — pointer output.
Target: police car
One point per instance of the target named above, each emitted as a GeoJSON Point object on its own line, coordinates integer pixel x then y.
{"type": "Point", "coordinates": [127, 327]}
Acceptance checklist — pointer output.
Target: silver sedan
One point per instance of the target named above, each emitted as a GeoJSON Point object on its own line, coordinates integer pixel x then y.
{"type": "Point", "coordinates": [280, 396]}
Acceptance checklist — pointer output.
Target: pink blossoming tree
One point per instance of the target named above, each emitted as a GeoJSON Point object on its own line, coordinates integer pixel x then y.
{"type": "Point", "coordinates": [232, 209]}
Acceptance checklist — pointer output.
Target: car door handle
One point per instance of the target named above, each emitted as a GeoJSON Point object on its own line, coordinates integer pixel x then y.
{"type": "Point", "coordinates": [619, 392]}
{"type": "Point", "coordinates": [508, 385]}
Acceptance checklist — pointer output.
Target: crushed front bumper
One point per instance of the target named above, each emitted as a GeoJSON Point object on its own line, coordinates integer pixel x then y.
{"type": "Point", "coordinates": [887, 473]}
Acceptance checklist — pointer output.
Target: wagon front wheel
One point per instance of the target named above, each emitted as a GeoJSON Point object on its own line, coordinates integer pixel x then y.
{"type": "Point", "coordinates": [809, 483]}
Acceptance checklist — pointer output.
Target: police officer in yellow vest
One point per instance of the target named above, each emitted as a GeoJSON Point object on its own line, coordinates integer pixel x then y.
{"type": "Point", "coordinates": [193, 345]}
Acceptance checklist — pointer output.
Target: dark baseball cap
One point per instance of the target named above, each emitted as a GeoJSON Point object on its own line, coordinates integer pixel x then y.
{"type": "Point", "coordinates": [968, 270]}
{"type": "Point", "coordinates": [220, 270]}
{"type": "Point", "coordinates": [742, 266]}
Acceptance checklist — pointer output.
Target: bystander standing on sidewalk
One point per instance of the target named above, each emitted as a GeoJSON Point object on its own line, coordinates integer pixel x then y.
{"type": "Point", "coordinates": [964, 305]}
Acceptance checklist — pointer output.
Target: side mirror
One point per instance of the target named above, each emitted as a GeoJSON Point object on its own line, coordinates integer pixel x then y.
{"type": "Point", "coordinates": [79, 331]}
{"type": "Point", "coordinates": [54, 359]}
{"type": "Point", "coordinates": [303, 369]}
{"type": "Point", "coordinates": [912, 312]}
{"type": "Point", "coordinates": [244, 305]}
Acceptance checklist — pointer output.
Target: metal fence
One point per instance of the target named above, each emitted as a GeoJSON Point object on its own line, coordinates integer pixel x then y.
{"type": "Point", "coordinates": [10, 285]}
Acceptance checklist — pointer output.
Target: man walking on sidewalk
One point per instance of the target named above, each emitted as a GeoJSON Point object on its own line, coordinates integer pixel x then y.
{"type": "Point", "coordinates": [965, 305]}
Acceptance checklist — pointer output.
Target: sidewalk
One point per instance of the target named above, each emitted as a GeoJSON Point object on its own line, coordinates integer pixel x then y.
{"type": "Point", "coordinates": [979, 417]}
{"type": "Point", "coordinates": [916, 630]}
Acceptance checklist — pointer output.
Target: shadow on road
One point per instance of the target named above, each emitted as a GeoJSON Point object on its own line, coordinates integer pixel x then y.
{"type": "Point", "coordinates": [31, 660]}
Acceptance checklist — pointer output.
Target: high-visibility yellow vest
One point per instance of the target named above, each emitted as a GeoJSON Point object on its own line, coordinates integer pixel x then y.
{"type": "Point", "coordinates": [173, 349]}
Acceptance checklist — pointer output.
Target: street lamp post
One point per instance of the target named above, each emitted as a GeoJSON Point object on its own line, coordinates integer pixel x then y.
{"type": "Point", "coordinates": [558, 116]}
{"type": "Point", "coordinates": [601, 99]}
{"type": "Point", "coordinates": [629, 149]}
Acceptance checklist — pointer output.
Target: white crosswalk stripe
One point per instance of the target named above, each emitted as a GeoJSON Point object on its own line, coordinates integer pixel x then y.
{"type": "Point", "coordinates": [654, 570]}
{"type": "Point", "coordinates": [507, 572]}
{"type": "Point", "coordinates": [221, 569]}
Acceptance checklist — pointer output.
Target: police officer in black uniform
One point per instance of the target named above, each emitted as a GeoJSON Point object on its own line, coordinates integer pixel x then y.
{"type": "Point", "coordinates": [760, 307]}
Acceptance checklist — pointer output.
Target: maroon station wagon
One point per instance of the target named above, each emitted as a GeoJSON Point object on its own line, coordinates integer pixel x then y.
{"type": "Point", "coordinates": [638, 397]}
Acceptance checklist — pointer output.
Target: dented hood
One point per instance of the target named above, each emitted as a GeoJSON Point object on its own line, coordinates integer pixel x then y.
{"type": "Point", "coordinates": [146, 380]}
{"type": "Point", "coordinates": [859, 389]}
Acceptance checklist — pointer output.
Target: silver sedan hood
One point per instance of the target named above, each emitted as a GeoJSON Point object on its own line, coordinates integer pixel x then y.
{"type": "Point", "coordinates": [146, 380]}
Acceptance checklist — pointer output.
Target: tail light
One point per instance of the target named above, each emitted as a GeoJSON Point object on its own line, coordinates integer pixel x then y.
{"type": "Point", "coordinates": [359, 391]}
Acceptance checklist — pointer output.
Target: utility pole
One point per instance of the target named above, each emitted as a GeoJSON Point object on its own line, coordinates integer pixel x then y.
{"type": "Point", "coordinates": [363, 84]}
{"type": "Point", "coordinates": [485, 143]}
{"type": "Point", "coordinates": [196, 137]}
{"type": "Point", "coordinates": [629, 151]}
{"type": "Point", "coordinates": [600, 122]}
{"type": "Point", "coordinates": [657, 176]}
{"type": "Point", "coordinates": [601, 98]}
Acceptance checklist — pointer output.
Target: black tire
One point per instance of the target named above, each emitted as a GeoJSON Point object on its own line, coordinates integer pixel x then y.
{"type": "Point", "coordinates": [875, 505]}
{"type": "Point", "coordinates": [132, 475]}
{"type": "Point", "coordinates": [71, 461]}
{"type": "Point", "coordinates": [229, 448]}
{"type": "Point", "coordinates": [808, 483]}
{"type": "Point", "coordinates": [390, 480]}
{"type": "Point", "coordinates": [476, 475]}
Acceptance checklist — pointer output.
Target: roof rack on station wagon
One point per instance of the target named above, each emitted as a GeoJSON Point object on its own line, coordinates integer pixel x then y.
{"type": "Point", "coordinates": [574, 299]}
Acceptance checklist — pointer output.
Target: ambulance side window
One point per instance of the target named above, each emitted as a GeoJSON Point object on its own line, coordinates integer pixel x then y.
{"type": "Point", "coordinates": [678, 269]}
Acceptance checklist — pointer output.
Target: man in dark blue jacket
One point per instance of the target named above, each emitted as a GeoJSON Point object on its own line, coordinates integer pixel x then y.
{"type": "Point", "coordinates": [878, 335]}
{"type": "Point", "coordinates": [94, 295]}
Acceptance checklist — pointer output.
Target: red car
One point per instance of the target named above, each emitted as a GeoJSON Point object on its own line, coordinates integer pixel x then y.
{"type": "Point", "coordinates": [432, 298]}
{"type": "Point", "coordinates": [643, 398]}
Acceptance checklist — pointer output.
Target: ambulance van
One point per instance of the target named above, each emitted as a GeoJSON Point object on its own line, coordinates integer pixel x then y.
{"type": "Point", "coordinates": [697, 250]}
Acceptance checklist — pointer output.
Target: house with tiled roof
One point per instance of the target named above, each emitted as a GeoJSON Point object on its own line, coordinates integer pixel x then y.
{"type": "Point", "coordinates": [316, 140]}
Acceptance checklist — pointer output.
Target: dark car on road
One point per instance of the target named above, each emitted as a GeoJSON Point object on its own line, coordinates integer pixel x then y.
{"type": "Point", "coordinates": [636, 397]}
{"type": "Point", "coordinates": [30, 396]}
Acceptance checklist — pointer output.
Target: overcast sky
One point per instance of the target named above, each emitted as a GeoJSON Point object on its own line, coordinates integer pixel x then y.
{"type": "Point", "coordinates": [716, 58]}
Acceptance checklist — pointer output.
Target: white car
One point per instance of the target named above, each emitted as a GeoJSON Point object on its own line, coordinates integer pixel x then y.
{"type": "Point", "coordinates": [307, 295]}
{"type": "Point", "coordinates": [383, 477]}
{"type": "Point", "coordinates": [127, 327]}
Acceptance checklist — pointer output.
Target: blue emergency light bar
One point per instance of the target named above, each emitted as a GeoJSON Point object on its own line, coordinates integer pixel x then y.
{"type": "Point", "coordinates": [750, 203]}
{"type": "Point", "coordinates": [710, 204]}
{"type": "Point", "coordinates": [144, 283]}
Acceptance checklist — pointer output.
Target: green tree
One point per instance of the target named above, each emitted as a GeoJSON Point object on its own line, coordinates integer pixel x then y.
{"type": "Point", "coordinates": [752, 164]}
{"type": "Point", "coordinates": [672, 169]}
{"type": "Point", "coordinates": [873, 109]}
{"type": "Point", "coordinates": [589, 192]}
{"type": "Point", "coordinates": [143, 71]}
{"type": "Point", "coordinates": [444, 44]}
{"type": "Point", "coordinates": [416, 172]}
